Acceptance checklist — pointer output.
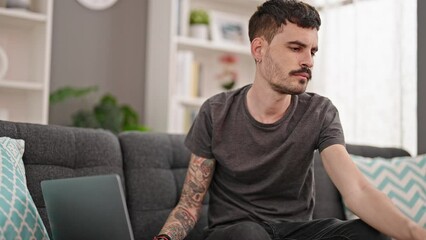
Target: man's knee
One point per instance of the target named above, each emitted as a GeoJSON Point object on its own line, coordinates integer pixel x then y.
{"type": "Point", "coordinates": [365, 231]}
{"type": "Point", "coordinates": [249, 230]}
{"type": "Point", "coordinates": [242, 230]}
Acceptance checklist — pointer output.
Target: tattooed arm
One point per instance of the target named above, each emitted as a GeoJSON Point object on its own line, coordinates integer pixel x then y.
{"type": "Point", "coordinates": [187, 212]}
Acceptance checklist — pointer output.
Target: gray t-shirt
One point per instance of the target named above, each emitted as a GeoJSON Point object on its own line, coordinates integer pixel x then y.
{"type": "Point", "coordinates": [264, 172]}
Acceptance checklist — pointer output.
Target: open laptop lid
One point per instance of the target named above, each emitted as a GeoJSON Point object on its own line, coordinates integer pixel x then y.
{"type": "Point", "coordinates": [92, 207]}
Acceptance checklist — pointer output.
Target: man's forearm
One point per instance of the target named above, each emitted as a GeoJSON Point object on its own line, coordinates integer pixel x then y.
{"type": "Point", "coordinates": [184, 216]}
{"type": "Point", "coordinates": [180, 222]}
{"type": "Point", "coordinates": [376, 209]}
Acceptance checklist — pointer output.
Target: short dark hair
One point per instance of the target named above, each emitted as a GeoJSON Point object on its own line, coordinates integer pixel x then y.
{"type": "Point", "coordinates": [267, 20]}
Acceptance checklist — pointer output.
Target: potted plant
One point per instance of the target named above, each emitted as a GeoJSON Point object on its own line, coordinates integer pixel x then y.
{"type": "Point", "coordinates": [107, 113]}
{"type": "Point", "coordinates": [199, 23]}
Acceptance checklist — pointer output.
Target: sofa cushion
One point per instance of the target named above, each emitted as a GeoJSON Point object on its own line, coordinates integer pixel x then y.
{"type": "Point", "coordinates": [328, 202]}
{"type": "Point", "coordinates": [19, 218]}
{"type": "Point", "coordinates": [402, 179]}
{"type": "Point", "coordinates": [59, 152]}
{"type": "Point", "coordinates": [372, 151]}
{"type": "Point", "coordinates": [327, 198]}
{"type": "Point", "coordinates": [155, 166]}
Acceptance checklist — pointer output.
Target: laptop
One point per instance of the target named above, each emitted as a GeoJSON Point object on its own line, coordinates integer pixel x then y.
{"type": "Point", "coordinates": [92, 207]}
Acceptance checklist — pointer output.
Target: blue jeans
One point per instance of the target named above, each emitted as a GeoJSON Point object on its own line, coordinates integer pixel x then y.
{"type": "Point", "coordinates": [319, 229]}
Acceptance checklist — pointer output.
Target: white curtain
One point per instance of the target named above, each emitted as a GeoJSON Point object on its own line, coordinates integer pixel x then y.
{"type": "Point", "coordinates": [367, 65]}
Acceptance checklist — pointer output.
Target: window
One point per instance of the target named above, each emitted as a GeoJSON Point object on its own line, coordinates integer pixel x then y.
{"type": "Point", "coordinates": [367, 65]}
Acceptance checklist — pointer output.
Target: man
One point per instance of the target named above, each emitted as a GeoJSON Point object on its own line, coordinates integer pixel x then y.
{"type": "Point", "coordinates": [253, 148]}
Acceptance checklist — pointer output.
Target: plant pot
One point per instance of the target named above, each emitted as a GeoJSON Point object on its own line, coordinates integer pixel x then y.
{"type": "Point", "coordinates": [228, 85]}
{"type": "Point", "coordinates": [199, 31]}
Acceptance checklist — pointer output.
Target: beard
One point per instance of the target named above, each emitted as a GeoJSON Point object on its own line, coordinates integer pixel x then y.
{"type": "Point", "coordinates": [282, 82]}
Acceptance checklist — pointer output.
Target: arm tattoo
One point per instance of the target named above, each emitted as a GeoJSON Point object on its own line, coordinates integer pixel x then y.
{"type": "Point", "coordinates": [174, 230]}
{"type": "Point", "coordinates": [197, 181]}
{"type": "Point", "coordinates": [184, 217]}
{"type": "Point", "coordinates": [193, 194]}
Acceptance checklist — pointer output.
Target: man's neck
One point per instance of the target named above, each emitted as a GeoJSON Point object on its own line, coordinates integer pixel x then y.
{"type": "Point", "coordinates": [266, 105]}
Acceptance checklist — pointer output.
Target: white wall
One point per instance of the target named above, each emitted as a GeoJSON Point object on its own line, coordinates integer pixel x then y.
{"type": "Point", "coordinates": [421, 82]}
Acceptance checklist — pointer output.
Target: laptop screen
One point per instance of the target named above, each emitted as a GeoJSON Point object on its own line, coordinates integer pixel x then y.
{"type": "Point", "coordinates": [92, 207]}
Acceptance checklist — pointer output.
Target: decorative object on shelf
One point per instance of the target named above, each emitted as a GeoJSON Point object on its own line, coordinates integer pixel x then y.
{"type": "Point", "coordinates": [4, 63]}
{"type": "Point", "coordinates": [199, 24]}
{"type": "Point", "coordinates": [106, 114]}
{"type": "Point", "coordinates": [18, 4]}
{"type": "Point", "coordinates": [227, 28]}
{"type": "Point", "coordinates": [97, 4]}
{"type": "Point", "coordinates": [229, 75]}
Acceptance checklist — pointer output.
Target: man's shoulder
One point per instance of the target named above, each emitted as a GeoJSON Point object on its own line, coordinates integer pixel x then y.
{"type": "Point", "coordinates": [226, 97]}
{"type": "Point", "coordinates": [310, 96]}
{"type": "Point", "coordinates": [313, 98]}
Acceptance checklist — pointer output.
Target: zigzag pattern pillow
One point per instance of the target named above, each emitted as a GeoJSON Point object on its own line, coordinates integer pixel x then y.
{"type": "Point", "coordinates": [19, 219]}
{"type": "Point", "coordinates": [402, 179]}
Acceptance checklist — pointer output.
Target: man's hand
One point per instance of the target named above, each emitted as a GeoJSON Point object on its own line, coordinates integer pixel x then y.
{"type": "Point", "coordinates": [162, 237]}
{"type": "Point", "coordinates": [371, 205]}
{"type": "Point", "coordinates": [417, 232]}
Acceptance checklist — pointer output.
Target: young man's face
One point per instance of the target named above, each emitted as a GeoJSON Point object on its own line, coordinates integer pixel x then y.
{"type": "Point", "coordinates": [288, 59]}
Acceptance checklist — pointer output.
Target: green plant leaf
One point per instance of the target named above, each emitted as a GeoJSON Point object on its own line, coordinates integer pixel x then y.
{"type": "Point", "coordinates": [85, 119]}
{"type": "Point", "coordinates": [108, 114]}
{"type": "Point", "coordinates": [65, 93]}
{"type": "Point", "coordinates": [130, 116]}
{"type": "Point", "coordinates": [198, 16]}
{"type": "Point", "coordinates": [108, 99]}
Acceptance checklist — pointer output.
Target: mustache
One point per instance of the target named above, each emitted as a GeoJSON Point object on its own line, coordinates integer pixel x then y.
{"type": "Point", "coordinates": [302, 70]}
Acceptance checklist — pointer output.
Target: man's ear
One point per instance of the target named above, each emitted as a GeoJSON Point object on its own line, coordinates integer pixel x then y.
{"type": "Point", "coordinates": [257, 46]}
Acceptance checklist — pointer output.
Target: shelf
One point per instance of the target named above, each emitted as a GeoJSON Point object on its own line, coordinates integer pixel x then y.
{"type": "Point", "coordinates": [244, 6]}
{"type": "Point", "coordinates": [197, 44]}
{"type": "Point", "coordinates": [191, 102]}
{"type": "Point", "coordinates": [21, 17]}
{"type": "Point", "coordinates": [21, 85]}
{"type": "Point", "coordinates": [240, 2]}
{"type": "Point", "coordinates": [25, 35]}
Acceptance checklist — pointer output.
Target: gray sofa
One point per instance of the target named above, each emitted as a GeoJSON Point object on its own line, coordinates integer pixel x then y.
{"type": "Point", "coordinates": [152, 167]}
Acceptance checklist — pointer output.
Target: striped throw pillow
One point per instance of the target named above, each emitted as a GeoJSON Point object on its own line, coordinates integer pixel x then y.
{"type": "Point", "coordinates": [402, 179]}
{"type": "Point", "coordinates": [19, 218]}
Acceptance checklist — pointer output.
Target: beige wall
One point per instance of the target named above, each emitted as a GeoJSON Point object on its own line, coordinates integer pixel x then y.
{"type": "Point", "coordinates": [104, 48]}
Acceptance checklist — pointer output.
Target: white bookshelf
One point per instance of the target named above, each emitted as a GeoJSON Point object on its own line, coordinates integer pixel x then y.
{"type": "Point", "coordinates": [21, 17]}
{"type": "Point", "coordinates": [196, 45]}
{"type": "Point", "coordinates": [166, 109]}
{"type": "Point", "coordinates": [25, 37]}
